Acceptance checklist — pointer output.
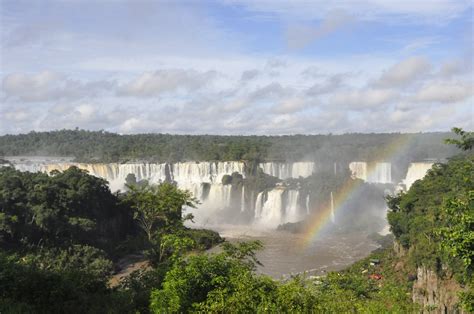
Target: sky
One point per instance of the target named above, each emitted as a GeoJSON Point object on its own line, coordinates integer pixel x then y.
{"type": "Point", "coordinates": [236, 67]}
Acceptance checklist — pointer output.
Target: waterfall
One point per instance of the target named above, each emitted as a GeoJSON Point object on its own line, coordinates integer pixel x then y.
{"type": "Point", "coordinates": [288, 170]}
{"type": "Point", "coordinates": [270, 214]}
{"type": "Point", "coordinates": [242, 200]}
{"type": "Point", "coordinates": [278, 206]}
{"type": "Point", "coordinates": [259, 205]}
{"type": "Point", "coordinates": [335, 168]}
{"type": "Point", "coordinates": [380, 172]}
{"type": "Point", "coordinates": [291, 207]}
{"type": "Point", "coordinates": [416, 171]}
{"type": "Point", "coordinates": [359, 170]}
{"type": "Point", "coordinates": [333, 216]}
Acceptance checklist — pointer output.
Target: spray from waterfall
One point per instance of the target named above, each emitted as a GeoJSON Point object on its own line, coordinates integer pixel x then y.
{"type": "Point", "coordinates": [333, 217]}
{"type": "Point", "coordinates": [307, 204]}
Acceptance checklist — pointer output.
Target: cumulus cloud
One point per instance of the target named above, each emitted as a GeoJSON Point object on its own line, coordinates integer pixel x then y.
{"type": "Point", "coordinates": [273, 90]}
{"type": "Point", "coordinates": [290, 106]}
{"type": "Point", "coordinates": [456, 67]}
{"type": "Point", "coordinates": [49, 85]}
{"type": "Point", "coordinates": [331, 84]}
{"type": "Point", "coordinates": [404, 72]}
{"type": "Point", "coordinates": [361, 99]}
{"type": "Point", "coordinates": [444, 92]}
{"type": "Point", "coordinates": [170, 80]}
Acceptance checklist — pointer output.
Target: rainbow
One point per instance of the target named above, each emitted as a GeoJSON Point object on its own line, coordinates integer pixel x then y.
{"type": "Point", "coordinates": [322, 218]}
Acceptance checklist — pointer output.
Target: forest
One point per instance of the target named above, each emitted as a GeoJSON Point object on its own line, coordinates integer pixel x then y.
{"type": "Point", "coordinates": [101, 146]}
{"type": "Point", "coordinates": [62, 235]}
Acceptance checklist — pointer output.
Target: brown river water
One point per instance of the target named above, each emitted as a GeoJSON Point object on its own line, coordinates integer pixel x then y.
{"type": "Point", "coordinates": [283, 255]}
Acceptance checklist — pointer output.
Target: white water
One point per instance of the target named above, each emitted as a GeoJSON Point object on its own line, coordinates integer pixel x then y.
{"type": "Point", "coordinates": [289, 170]}
{"type": "Point", "coordinates": [292, 209]}
{"type": "Point", "coordinates": [381, 172]}
{"type": "Point", "coordinates": [270, 214]}
{"type": "Point", "coordinates": [416, 171]}
{"type": "Point", "coordinates": [278, 206]}
{"type": "Point", "coordinates": [359, 170]}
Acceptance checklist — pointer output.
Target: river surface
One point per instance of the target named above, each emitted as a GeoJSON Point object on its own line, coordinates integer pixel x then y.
{"type": "Point", "coordinates": [285, 253]}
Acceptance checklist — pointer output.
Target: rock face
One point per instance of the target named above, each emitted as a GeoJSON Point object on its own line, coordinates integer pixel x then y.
{"type": "Point", "coordinates": [434, 294]}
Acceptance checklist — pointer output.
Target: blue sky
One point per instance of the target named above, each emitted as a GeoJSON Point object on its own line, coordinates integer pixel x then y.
{"type": "Point", "coordinates": [236, 67]}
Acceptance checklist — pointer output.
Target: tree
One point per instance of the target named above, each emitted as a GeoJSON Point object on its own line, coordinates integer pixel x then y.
{"type": "Point", "coordinates": [158, 210]}
{"type": "Point", "coordinates": [465, 143]}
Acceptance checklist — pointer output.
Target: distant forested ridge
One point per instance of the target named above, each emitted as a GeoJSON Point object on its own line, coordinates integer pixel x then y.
{"type": "Point", "coordinates": [100, 146]}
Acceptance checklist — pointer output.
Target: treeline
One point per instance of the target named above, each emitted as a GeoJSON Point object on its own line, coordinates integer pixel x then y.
{"type": "Point", "coordinates": [89, 146]}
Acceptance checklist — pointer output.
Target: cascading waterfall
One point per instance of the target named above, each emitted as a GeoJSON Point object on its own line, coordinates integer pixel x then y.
{"type": "Point", "coordinates": [380, 172]}
{"type": "Point", "coordinates": [242, 200]}
{"type": "Point", "coordinates": [270, 215]}
{"type": "Point", "coordinates": [289, 170]}
{"type": "Point", "coordinates": [291, 208]}
{"type": "Point", "coordinates": [359, 170]}
{"type": "Point", "coordinates": [278, 206]}
{"type": "Point", "coordinates": [416, 171]}
{"type": "Point", "coordinates": [259, 204]}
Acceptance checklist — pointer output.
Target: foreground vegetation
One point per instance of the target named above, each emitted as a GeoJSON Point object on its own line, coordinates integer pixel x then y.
{"type": "Point", "coordinates": [61, 236]}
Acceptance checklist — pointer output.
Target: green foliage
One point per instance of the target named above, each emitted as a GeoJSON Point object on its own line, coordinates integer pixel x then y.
{"type": "Point", "coordinates": [190, 280]}
{"type": "Point", "coordinates": [69, 207]}
{"type": "Point", "coordinates": [465, 143]}
{"type": "Point", "coordinates": [203, 238]}
{"type": "Point", "coordinates": [225, 282]}
{"type": "Point", "coordinates": [86, 258]}
{"type": "Point", "coordinates": [158, 210]}
{"type": "Point", "coordinates": [27, 288]}
{"type": "Point", "coordinates": [458, 233]}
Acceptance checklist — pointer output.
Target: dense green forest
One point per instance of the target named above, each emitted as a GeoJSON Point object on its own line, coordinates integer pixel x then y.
{"type": "Point", "coordinates": [62, 235]}
{"type": "Point", "coordinates": [89, 146]}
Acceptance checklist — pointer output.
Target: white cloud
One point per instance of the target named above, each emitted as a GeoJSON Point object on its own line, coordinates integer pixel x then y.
{"type": "Point", "coordinates": [360, 99]}
{"type": "Point", "coordinates": [404, 72]}
{"type": "Point", "coordinates": [30, 87]}
{"type": "Point", "coordinates": [48, 85]}
{"type": "Point", "coordinates": [444, 92]}
{"type": "Point", "coordinates": [155, 83]}
{"type": "Point", "coordinates": [290, 106]}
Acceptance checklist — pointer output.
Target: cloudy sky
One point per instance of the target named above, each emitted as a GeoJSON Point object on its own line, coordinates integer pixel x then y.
{"type": "Point", "coordinates": [236, 67]}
